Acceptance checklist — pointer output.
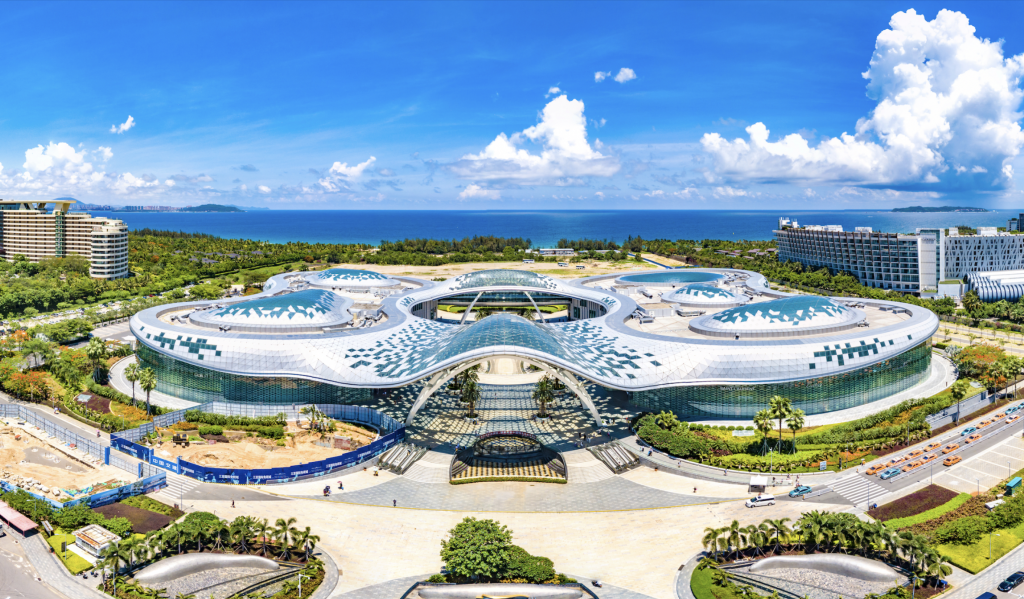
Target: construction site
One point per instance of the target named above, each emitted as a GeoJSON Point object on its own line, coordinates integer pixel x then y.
{"type": "Point", "coordinates": [31, 461]}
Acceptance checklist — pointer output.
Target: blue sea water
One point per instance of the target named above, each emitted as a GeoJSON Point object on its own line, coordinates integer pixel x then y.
{"type": "Point", "coordinates": [543, 228]}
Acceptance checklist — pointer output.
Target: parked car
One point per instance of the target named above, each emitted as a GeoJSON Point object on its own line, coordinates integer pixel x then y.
{"type": "Point", "coordinates": [951, 447]}
{"type": "Point", "coordinates": [932, 446]}
{"type": "Point", "coordinates": [760, 500]}
{"type": "Point", "coordinates": [999, 415]}
{"type": "Point", "coordinates": [928, 458]}
{"type": "Point", "coordinates": [953, 459]}
{"type": "Point", "coordinates": [973, 438]}
{"type": "Point", "coordinates": [914, 454]}
{"type": "Point", "coordinates": [968, 430]}
{"type": "Point", "coordinates": [875, 469]}
{"type": "Point", "coordinates": [1012, 410]}
{"type": "Point", "coordinates": [799, 491]}
{"type": "Point", "coordinates": [1011, 583]}
{"type": "Point", "coordinates": [987, 596]}
{"type": "Point", "coordinates": [896, 461]}
{"type": "Point", "coordinates": [912, 465]}
{"type": "Point", "coordinates": [891, 472]}
{"type": "Point", "coordinates": [984, 423]}
{"type": "Point", "coordinates": [1013, 419]}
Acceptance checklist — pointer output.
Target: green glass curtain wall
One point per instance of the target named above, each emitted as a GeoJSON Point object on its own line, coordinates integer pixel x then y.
{"type": "Point", "coordinates": [194, 383]}
{"type": "Point", "coordinates": [813, 396]}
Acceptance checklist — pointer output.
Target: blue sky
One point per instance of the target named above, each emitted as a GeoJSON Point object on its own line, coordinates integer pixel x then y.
{"type": "Point", "coordinates": [506, 106]}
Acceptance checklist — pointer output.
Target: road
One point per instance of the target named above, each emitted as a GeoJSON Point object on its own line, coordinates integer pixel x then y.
{"type": "Point", "coordinates": [18, 579]}
{"type": "Point", "coordinates": [860, 489]}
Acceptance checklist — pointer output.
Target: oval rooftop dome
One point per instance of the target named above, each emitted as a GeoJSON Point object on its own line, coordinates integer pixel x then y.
{"type": "Point", "coordinates": [288, 312]}
{"type": "Point", "coordinates": [799, 315]}
{"type": "Point", "coordinates": [349, 277]}
{"type": "Point", "coordinates": [702, 294]}
{"type": "Point", "coordinates": [500, 277]}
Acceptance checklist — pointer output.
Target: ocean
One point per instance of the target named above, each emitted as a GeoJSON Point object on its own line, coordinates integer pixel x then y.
{"type": "Point", "coordinates": [542, 228]}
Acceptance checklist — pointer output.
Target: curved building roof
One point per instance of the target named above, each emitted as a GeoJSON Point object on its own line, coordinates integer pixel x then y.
{"type": "Point", "coordinates": [348, 277]}
{"type": "Point", "coordinates": [702, 294]}
{"type": "Point", "coordinates": [406, 348]}
{"type": "Point", "coordinates": [798, 314]}
{"type": "Point", "coordinates": [503, 278]}
{"type": "Point", "coordinates": [293, 312]}
{"type": "Point", "coordinates": [670, 278]}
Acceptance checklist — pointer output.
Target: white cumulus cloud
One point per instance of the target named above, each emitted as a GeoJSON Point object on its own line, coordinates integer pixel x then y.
{"type": "Point", "coordinates": [564, 151]}
{"type": "Point", "coordinates": [553, 91]}
{"type": "Point", "coordinates": [475, 191]}
{"type": "Point", "coordinates": [341, 172]}
{"type": "Point", "coordinates": [947, 118]}
{"type": "Point", "coordinates": [624, 75]}
{"type": "Point", "coordinates": [601, 76]}
{"type": "Point", "coordinates": [262, 189]}
{"type": "Point", "coordinates": [123, 126]}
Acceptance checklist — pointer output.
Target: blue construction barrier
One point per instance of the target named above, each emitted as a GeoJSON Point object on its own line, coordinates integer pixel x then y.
{"type": "Point", "coordinates": [264, 476]}
{"type": "Point", "coordinates": [147, 485]}
{"type": "Point", "coordinates": [133, 449]}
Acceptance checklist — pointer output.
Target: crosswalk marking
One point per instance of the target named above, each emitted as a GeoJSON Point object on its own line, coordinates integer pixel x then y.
{"type": "Point", "coordinates": [177, 486]}
{"type": "Point", "coordinates": [857, 489]}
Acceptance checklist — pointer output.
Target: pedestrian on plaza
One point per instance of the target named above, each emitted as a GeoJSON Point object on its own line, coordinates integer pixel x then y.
{"type": "Point", "coordinates": [695, 489]}
{"type": "Point", "coordinates": [232, 503]}
{"type": "Point", "coordinates": [341, 486]}
{"type": "Point", "coordinates": [394, 503]}
{"type": "Point", "coordinates": [97, 433]}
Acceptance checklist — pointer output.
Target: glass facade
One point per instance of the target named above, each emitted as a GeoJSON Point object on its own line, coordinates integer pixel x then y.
{"type": "Point", "coordinates": [672, 277]}
{"type": "Point", "coordinates": [813, 396]}
{"type": "Point", "coordinates": [201, 385]}
{"type": "Point", "coordinates": [502, 277]}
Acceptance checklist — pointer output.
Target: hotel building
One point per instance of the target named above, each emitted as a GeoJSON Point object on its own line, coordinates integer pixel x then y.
{"type": "Point", "coordinates": [40, 230]}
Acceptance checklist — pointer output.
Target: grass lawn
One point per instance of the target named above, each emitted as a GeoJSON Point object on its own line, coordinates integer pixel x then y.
{"type": "Point", "coordinates": [975, 557]}
{"type": "Point", "coordinates": [702, 587]}
{"type": "Point", "coordinates": [74, 562]}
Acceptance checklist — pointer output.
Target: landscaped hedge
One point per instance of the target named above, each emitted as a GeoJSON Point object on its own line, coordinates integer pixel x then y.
{"type": "Point", "coordinates": [115, 395]}
{"type": "Point", "coordinates": [927, 498]}
{"type": "Point", "coordinates": [935, 512]}
{"type": "Point", "coordinates": [234, 422]}
{"type": "Point", "coordinates": [975, 506]}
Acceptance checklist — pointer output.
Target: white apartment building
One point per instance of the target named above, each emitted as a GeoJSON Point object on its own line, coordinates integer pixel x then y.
{"type": "Point", "coordinates": [40, 230]}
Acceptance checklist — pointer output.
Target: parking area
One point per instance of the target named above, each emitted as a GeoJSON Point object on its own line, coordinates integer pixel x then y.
{"type": "Point", "coordinates": [986, 469]}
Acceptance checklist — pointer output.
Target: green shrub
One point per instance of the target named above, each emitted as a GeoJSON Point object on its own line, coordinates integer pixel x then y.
{"type": "Point", "coordinates": [209, 429]}
{"type": "Point", "coordinates": [1009, 514]}
{"type": "Point", "coordinates": [963, 531]}
{"type": "Point", "coordinates": [234, 422]}
{"type": "Point", "coordinates": [531, 568]}
{"type": "Point", "coordinates": [437, 578]}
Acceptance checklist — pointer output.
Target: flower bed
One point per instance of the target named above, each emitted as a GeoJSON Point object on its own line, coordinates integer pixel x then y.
{"type": "Point", "coordinates": [974, 506]}
{"type": "Point", "coordinates": [142, 520]}
{"type": "Point", "coordinates": [935, 512]}
{"type": "Point", "coordinates": [927, 498]}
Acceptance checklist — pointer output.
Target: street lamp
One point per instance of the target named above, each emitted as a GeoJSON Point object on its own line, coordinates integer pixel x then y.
{"type": "Point", "coordinates": [301, 576]}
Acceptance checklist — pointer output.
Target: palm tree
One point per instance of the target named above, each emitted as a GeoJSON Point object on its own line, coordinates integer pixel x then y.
{"type": "Point", "coordinates": [286, 533]}
{"type": "Point", "coordinates": [759, 535]}
{"type": "Point", "coordinates": [781, 530]}
{"type": "Point", "coordinates": [763, 422]}
{"type": "Point", "coordinates": [306, 541]}
{"type": "Point", "coordinates": [112, 558]}
{"type": "Point", "coordinates": [216, 532]}
{"type": "Point", "coordinates": [543, 394]}
{"type": "Point", "coordinates": [470, 395]}
{"type": "Point", "coordinates": [96, 350]}
{"type": "Point", "coordinates": [240, 531]}
{"type": "Point", "coordinates": [711, 539]}
{"type": "Point", "coordinates": [263, 528]}
{"type": "Point", "coordinates": [794, 423]}
{"type": "Point", "coordinates": [736, 536]}
{"type": "Point", "coordinates": [131, 374]}
{"type": "Point", "coordinates": [147, 380]}
{"type": "Point", "coordinates": [780, 407]}
{"type": "Point", "coordinates": [667, 420]}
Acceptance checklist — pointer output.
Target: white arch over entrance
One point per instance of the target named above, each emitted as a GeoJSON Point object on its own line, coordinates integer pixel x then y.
{"type": "Point", "coordinates": [438, 379]}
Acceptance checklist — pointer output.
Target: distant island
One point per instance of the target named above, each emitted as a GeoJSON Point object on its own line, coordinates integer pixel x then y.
{"type": "Point", "coordinates": [940, 209]}
{"type": "Point", "coordinates": [211, 208]}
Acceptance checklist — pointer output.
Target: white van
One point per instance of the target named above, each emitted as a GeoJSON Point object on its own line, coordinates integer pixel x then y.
{"type": "Point", "coordinates": [760, 500]}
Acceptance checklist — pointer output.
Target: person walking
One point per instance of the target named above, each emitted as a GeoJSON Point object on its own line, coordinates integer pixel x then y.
{"type": "Point", "coordinates": [341, 486]}
{"type": "Point", "coordinates": [394, 503]}
{"type": "Point", "coordinates": [232, 503]}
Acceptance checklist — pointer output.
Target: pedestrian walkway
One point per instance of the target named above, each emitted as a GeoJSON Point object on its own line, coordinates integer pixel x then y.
{"type": "Point", "coordinates": [583, 467]}
{"type": "Point", "coordinates": [55, 574]}
{"type": "Point", "coordinates": [857, 489]}
{"type": "Point", "coordinates": [177, 488]}
{"type": "Point", "coordinates": [433, 468]}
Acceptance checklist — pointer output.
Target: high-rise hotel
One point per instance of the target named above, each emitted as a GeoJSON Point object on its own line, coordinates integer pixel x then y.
{"type": "Point", "coordinates": [40, 230]}
{"type": "Point", "coordinates": [916, 262]}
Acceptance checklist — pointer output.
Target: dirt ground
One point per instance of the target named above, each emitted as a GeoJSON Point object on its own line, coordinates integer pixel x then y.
{"type": "Point", "coordinates": [593, 267]}
{"type": "Point", "coordinates": [251, 452]}
{"type": "Point", "coordinates": [13, 454]}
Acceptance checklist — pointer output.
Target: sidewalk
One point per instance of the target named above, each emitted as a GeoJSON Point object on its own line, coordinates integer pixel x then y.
{"type": "Point", "coordinates": [55, 574]}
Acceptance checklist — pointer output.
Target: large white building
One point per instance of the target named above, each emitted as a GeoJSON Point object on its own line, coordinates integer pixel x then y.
{"type": "Point", "coordinates": [39, 230]}
{"type": "Point", "coordinates": [914, 263]}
